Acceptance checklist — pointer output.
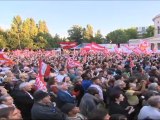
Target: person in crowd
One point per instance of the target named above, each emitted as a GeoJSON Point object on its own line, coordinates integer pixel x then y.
{"type": "Point", "coordinates": [118, 117]}
{"type": "Point", "coordinates": [89, 101]}
{"type": "Point", "coordinates": [119, 86]}
{"type": "Point", "coordinates": [6, 100]}
{"type": "Point", "coordinates": [44, 109]}
{"type": "Point", "coordinates": [72, 112]}
{"type": "Point", "coordinates": [61, 75]}
{"type": "Point", "coordinates": [24, 100]}
{"type": "Point", "coordinates": [132, 93]}
{"type": "Point", "coordinates": [8, 84]}
{"type": "Point", "coordinates": [10, 113]}
{"type": "Point", "coordinates": [99, 114]}
{"type": "Point", "coordinates": [72, 74]}
{"type": "Point", "coordinates": [3, 91]}
{"type": "Point", "coordinates": [116, 106]}
{"type": "Point", "coordinates": [63, 95]}
{"type": "Point", "coordinates": [152, 110]}
{"type": "Point", "coordinates": [78, 89]}
{"type": "Point", "coordinates": [97, 84]}
{"type": "Point", "coordinates": [86, 82]}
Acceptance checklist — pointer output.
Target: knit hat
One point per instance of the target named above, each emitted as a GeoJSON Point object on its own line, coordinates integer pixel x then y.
{"type": "Point", "coordinates": [67, 107]}
{"type": "Point", "coordinates": [39, 95]}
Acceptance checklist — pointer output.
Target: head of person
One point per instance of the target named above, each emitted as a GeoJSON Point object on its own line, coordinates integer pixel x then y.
{"type": "Point", "coordinates": [70, 109]}
{"type": "Point", "coordinates": [153, 68]}
{"type": "Point", "coordinates": [88, 75]}
{"type": "Point", "coordinates": [117, 97]}
{"type": "Point", "coordinates": [93, 91]}
{"type": "Point", "coordinates": [79, 73]}
{"type": "Point", "coordinates": [52, 81]}
{"type": "Point", "coordinates": [125, 76]}
{"type": "Point", "coordinates": [23, 76]}
{"type": "Point", "coordinates": [99, 114]}
{"type": "Point", "coordinates": [6, 99]}
{"type": "Point", "coordinates": [154, 101]}
{"type": "Point", "coordinates": [153, 79]}
{"type": "Point", "coordinates": [63, 86]}
{"type": "Point", "coordinates": [153, 86]}
{"type": "Point", "coordinates": [132, 79]}
{"type": "Point", "coordinates": [42, 97]}
{"type": "Point", "coordinates": [118, 77]}
{"type": "Point", "coordinates": [26, 69]}
{"type": "Point", "coordinates": [132, 86]}
{"type": "Point", "coordinates": [3, 91]}
{"type": "Point", "coordinates": [25, 86]}
{"type": "Point", "coordinates": [66, 79]}
{"type": "Point", "coordinates": [78, 80]}
{"type": "Point", "coordinates": [118, 117]}
{"type": "Point", "coordinates": [71, 71]}
{"type": "Point", "coordinates": [33, 75]}
{"type": "Point", "coordinates": [119, 83]}
{"type": "Point", "coordinates": [96, 80]}
{"type": "Point", "coordinates": [10, 113]}
{"type": "Point", "coordinates": [62, 71]}
{"type": "Point", "coordinates": [9, 74]}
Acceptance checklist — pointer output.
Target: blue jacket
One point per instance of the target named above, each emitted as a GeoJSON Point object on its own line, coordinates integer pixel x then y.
{"type": "Point", "coordinates": [86, 84]}
{"type": "Point", "coordinates": [63, 98]}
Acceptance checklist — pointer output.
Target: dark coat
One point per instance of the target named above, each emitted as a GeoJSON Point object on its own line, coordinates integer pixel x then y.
{"type": "Point", "coordinates": [63, 98]}
{"type": "Point", "coordinates": [24, 102]}
{"type": "Point", "coordinates": [43, 112]}
{"type": "Point", "coordinates": [88, 103]}
{"type": "Point", "coordinates": [115, 108]}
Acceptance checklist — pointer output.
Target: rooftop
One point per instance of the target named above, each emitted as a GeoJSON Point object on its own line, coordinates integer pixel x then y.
{"type": "Point", "coordinates": [156, 17]}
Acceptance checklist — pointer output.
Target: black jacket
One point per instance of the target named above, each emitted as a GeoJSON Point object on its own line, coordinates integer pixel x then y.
{"type": "Point", "coordinates": [43, 112]}
{"type": "Point", "coordinates": [24, 102]}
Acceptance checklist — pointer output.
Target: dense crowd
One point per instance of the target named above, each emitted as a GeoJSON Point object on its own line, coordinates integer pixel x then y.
{"type": "Point", "coordinates": [110, 87]}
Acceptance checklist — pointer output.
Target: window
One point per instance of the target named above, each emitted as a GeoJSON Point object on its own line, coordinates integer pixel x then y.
{"type": "Point", "coordinates": [152, 46]}
{"type": "Point", "coordinates": [158, 29]}
{"type": "Point", "coordinates": [158, 46]}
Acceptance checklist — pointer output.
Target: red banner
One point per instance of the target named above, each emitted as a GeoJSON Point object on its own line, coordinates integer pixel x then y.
{"type": "Point", "coordinates": [68, 45]}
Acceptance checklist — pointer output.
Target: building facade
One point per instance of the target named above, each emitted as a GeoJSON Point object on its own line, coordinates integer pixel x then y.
{"type": "Point", "coordinates": [156, 21]}
{"type": "Point", "coordinates": [154, 41]}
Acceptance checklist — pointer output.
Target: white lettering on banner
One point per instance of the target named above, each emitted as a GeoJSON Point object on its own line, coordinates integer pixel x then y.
{"type": "Point", "coordinates": [39, 84]}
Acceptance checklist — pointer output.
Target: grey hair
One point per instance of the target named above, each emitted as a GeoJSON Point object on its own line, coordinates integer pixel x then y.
{"type": "Point", "coordinates": [152, 86]}
{"type": "Point", "coordinates": [23, 85]}
{"type": "Point", "coordinates": [118, 82]}
{"type": "Point", "coordinates": [154, 100]}
{"type": "Point", "coordinates": [3, 97]}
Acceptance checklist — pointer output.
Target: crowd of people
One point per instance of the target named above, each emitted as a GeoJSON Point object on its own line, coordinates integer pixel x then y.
{"type": "Point", "coordinates": [103, 87]}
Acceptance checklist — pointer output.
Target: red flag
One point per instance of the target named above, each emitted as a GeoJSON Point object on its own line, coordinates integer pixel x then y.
{"type": "Point", "coordinates": [40, 84]}
{"type": "Point", "coordinates": [106, 51]}
{"type": "Point", "coordinates": [4, 59]}
{"type": "Point", "coordinates": [44, 69]}
{"type": "Point", "coordinates": [93, 46]}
